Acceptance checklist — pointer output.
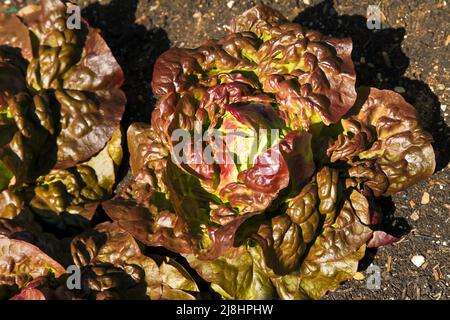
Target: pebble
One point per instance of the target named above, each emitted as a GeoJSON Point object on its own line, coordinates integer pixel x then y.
{"type": "Point", "coordinates": [399, 89]}
{"type": "Point", "coordinates": [230, 4]}
{"type": "Point", "coordinates": [425, 198]}
{"type": "Point", "coordinates": [307, 2]}
{"type": "Point", "coordinates": [197, 15]}
{"type": "Point", "coordinates": [379, 77]}
{"type": "Point", "coordinates": [443, 107]}
{"type": "Point", "coordinates": [414, 216]}
{"type": "Point", "coordinates": [359, 276]}
{"type": "Point", "coordinates": [418, 260]}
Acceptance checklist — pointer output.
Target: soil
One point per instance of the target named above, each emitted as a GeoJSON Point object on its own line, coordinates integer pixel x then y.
{"type": "Point", "coordinates": [410, 54]}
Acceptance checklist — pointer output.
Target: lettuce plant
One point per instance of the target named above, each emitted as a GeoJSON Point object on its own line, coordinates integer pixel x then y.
{"type": "Point", "coordinates": [290, 220]}
{"type": "Point", "coordinates": [276, 195]}
{"type": "Point", "coordinates": [108, 268]}
{"type": "Point", "coordinates": [60, 147]}
{"type": "Point", "coordinates": [60, 138]}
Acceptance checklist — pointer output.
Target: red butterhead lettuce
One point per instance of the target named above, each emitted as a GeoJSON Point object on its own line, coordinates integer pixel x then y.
{"type": "Point", "coordinates": [289, 216]}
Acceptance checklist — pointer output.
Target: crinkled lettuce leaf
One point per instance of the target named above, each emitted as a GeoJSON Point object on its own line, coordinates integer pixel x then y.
{"type": "Point", "coordinates": [21, 262]}
{"type": "Point", "coordinates": [390, 149]}
{"type": "Point", "coordinates": [112, 270]}
{"type": "Point", "coordinates": [67, 199]}
{"type": "Point", "coordinates": [69, 103]}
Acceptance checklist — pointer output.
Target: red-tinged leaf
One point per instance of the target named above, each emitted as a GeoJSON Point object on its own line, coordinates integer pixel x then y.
{"type": "Point", "coordinates": [381, 239]}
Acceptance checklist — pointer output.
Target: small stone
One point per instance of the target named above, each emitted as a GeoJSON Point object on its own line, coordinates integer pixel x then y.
{"type": "Point", "coordinates": [447, 41]}
{"type": "Point", "coordinates": [412, 204]}
{"type": "Point", "coordinates": [230, 4]}
{"type": "Point", "coordinates": [418, 260]}
{"type": "Point", "coordinates": [359, 276]}
{"type": "Point", "coordinates": [197, 15]}
{"type": "Point", "coordinates": [362, 60]}
{"type": "Point", "coordinates": [399, 89]}
{"type": "Point", "coordinates": [414, 216]}
{"type": "Point", "coordinates": [425, 198]}
{"type": "Point", "coordinates": [307, 2]}
{"type": "Point", "coordinates": [443, 107]}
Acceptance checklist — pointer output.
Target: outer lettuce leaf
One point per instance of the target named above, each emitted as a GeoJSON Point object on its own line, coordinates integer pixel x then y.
{"type": "Point", "coordinates": [344, 240]}
{"type": "Point", "coordinates": [141, 206]}
{"type": "Point", "coordinates": [380, 239]}
{"type": "Point", "coordinates": [24, 126]}
{"type": "Point", "coordinates": [113, 270]}
{"type": "Point", "coordinates": [235, 275]}
{"type": "Point", "coordinates": [14, 34]}
{"type": "Point", "coordinates": [67, 198]}
{"type": "Point", "coordinates": [21, 262]}
{"type": "Point", "coordinates": [400, 149]}
{"type": "Point", "coordinates": [328, 188]}
{"type": "Point", "coordinates": [332, 257]}
{"type": "Point", "coordinates": [282, 243]}
{"type": "Point", "coordinates": [317, 282]}
{"type": "Point", "coordinates": [44, 289]}
{"type": "Point", "coordinates": [148, 216]}
{"type": "Point", "coordinates": [25, 227]}
{"type": "Point", "coordinates": [73, 103]}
